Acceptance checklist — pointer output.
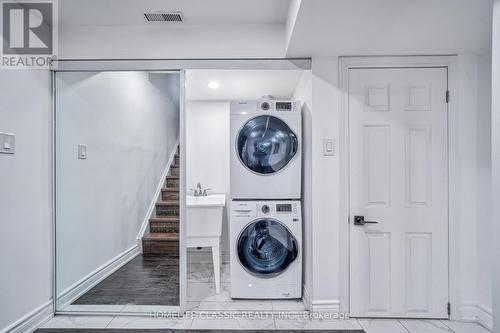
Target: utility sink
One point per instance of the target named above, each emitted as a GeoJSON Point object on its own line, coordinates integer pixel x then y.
{"type": "Point", "coordinates": [204, 226]}
{"type": "Point", "coordinates": [204, 215]}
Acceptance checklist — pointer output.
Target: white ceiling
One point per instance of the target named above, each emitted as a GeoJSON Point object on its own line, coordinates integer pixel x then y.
{"type": "Point", "coordinates": [129, 12]}
{"type": "Point", "coordinates": [366, 27]}
{"type": "Point", "coordinates": [241, 84]}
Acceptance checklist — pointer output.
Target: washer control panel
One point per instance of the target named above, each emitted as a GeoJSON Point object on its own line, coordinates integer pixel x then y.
{"type": "Point", "coordinates": [252, 209]}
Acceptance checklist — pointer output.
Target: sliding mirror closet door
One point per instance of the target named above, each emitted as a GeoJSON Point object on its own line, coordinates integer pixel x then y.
{"type": "Point", "coordinates": [117, 191]}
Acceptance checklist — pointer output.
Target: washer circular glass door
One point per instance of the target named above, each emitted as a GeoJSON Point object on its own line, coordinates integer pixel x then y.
{"type": "Point", "coordinates": [266, 144]}
{"type": "Point", "coordinates": [266, 248]}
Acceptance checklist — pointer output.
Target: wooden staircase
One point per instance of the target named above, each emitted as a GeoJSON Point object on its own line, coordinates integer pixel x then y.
{"type": "Point", "coordinates": [162, 238]}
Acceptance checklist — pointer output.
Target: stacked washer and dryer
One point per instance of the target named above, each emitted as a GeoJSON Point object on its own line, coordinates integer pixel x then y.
{"type": "Point", "coordinates": [265, 223]}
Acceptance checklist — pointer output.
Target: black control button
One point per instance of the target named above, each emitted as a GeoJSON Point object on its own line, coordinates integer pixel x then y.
{"type": "Point", "coordinates": [265, 209]}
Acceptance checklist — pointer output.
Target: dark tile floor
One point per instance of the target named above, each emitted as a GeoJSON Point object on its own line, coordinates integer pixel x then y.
{"type": "Point", "coordinates": [151, 280]}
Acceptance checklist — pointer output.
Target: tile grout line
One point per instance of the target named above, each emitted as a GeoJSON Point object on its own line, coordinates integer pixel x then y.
{"type": "Point", "coordinates": [112, 318]}
{"type": "Point", "coordinates": [406, 328]}
{"type": "Point", "coordinates": [450, 330]}
{"type": "Point", "coordinates": [210, 276]}
{"type": "Point", "coordinates": [444, 323]}
{"type": "Point", "coordinates": [359, 324]}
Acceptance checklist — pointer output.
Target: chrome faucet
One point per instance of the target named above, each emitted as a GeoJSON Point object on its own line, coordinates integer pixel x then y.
{"type": "Point", "coordinates": [199, 191]}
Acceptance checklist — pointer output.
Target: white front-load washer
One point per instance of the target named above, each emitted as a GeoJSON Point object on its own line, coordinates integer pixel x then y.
{"type": "Point", "coordinates": [265, 149]}
{"type": "Point", "coordinates": [266, 249]}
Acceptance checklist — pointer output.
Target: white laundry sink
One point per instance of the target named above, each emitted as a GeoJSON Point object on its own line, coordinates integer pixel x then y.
{"type": "Point", "coordinates": [204, 215]}
{"type": "Point", "coordinates": [204, 226]}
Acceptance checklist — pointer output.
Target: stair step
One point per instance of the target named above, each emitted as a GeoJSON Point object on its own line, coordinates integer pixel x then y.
{"type": "Point", "coordinates": [164, 219]}
{"type": "Point", "coordinates": [170, 193]}
{"type": "Point", "coordinates": [161, 236]}
{"type": "Point", "coordinates": [167, 208]}
{"type": "Point", "coordinates": [174, 171]}
{"type": "Point", "coordinates": [168, 203]}
{"type": "Point", "coordinates": [164, 225]}
{"type": "Point", "coordinates": [161, 243]}
{"type": "Point", "coordinates": [170, 189]}
{"type": "Point", "coordinates": [173, 181]}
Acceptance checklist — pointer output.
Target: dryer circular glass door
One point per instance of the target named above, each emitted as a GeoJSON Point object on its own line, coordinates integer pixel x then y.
{"type": "Point", "coordinates": [266, 144]}
{"type": "Point", "coordinates": [266, 248]}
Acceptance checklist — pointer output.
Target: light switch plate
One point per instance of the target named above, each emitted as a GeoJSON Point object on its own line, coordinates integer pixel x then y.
{"type": "Point", "coordinates": [82, 152]}
{"type": "Point", "coordinates": [329, 147]}
{"type": "Point", "coordinates": [7, 143]}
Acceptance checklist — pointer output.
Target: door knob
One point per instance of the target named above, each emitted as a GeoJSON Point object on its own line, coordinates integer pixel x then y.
{"type": "Point", "coordinates": [360, 220]}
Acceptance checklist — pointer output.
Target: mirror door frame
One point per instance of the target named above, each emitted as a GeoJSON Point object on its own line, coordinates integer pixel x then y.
{"type": "Point", "coordinates": [163, 65]}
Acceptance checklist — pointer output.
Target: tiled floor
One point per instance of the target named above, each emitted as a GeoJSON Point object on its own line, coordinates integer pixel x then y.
{"type": "Point", "coordinates": [204, 304]}
{"type": "Point", "coordinates": [296, 322]}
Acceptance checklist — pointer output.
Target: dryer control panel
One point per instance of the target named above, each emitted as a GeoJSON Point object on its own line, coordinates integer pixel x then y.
{"type": "Point", "coordinates": [264, 105]}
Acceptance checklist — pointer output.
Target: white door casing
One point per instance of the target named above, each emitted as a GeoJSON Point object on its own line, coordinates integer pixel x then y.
{"type": "Point", "coordinates": [398, 177]}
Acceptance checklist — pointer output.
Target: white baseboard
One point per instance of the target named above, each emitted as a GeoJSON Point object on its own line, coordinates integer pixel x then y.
{"type": "Point", "coordinates": [328, 306]}
{"type": "Point", "coordinates": [473, 312]}
{"type": "Point", "coordinates": [32, 320]}
{"type": "Point", "coordinates": [156, 197]}
{"type": "Point", "coordinates": [81, 287]}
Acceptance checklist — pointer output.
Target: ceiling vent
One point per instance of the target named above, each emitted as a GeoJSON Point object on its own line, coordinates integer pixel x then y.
{"type": "Point", "coordinates": [175, 17]}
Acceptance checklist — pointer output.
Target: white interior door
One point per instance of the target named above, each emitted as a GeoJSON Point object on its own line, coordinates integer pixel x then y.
{"type": "Point", "coordinates": [398, 178]}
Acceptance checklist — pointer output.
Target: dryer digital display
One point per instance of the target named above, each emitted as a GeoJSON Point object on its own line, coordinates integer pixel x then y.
{"type": "Point", "coordinates": [265, 144]}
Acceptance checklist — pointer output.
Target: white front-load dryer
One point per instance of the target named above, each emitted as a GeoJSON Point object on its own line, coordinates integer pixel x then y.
{"type": "Point", "coordinates": [265, 149]}
{"type": "Point", "coordinates": [266, 249]}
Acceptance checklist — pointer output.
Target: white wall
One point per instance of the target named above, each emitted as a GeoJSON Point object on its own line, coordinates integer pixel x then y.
{"type": "Point", "coordinates": [303, 93]}
{"type": "Point", "coordinates": [473, 223]}
{"type": "Point", "coordinates": [496, 162]}
{"type": "Point", "coordinates": [157, 41]}
{"type": "Point", "coordinates": [483, 199]}
{"type": "Point", "coordinates": [130, 126]}
{"type": "Point", "coordinates": [325, 190]}
{"type": "Point", "coordinates": [466, 224]}
{"type": "Point", "coordinates": [25, 283]}
{"type": "Point", "coordinates": [207, 147]}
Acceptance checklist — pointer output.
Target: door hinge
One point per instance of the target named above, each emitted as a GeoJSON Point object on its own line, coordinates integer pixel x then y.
{"type": "Point", "coordinates": [448, 308]}
{"type": "Point", "coordinates": [447, 96]}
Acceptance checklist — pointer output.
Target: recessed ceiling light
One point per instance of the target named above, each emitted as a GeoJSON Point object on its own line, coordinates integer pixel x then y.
{"type": "Point", "coordinates": [213, 84]}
